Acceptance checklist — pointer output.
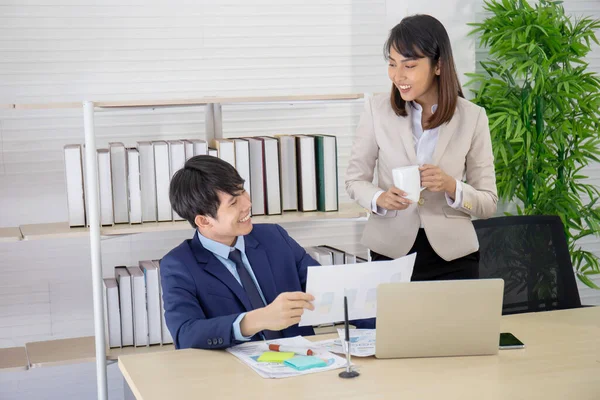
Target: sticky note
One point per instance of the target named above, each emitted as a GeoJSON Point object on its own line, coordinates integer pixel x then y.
{"type": "Point", "coordinates": [305, 362]}
{"type": "Point", "coordinates": [275, 356]}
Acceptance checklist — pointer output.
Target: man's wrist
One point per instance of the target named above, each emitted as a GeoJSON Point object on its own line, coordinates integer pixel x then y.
{"type": "Point", "coordinates": [251, 324]}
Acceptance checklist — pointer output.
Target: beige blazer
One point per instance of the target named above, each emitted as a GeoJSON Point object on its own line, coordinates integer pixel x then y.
{"type": "Point", "coordinates": [385, 141]}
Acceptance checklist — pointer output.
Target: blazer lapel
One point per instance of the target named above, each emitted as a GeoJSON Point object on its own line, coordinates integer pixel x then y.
{"type": "Point", "coordinates": [261, 267]}
{"type": "Point", "coordinates": [444, 136]}
{"type": "Point", "coordinates": [213, 266]}
{"type": "Point", "coordinates": [406, 134]}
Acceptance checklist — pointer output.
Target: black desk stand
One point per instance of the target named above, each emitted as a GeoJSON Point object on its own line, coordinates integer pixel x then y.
{"type": "Point", "coordinates": [349, 372]}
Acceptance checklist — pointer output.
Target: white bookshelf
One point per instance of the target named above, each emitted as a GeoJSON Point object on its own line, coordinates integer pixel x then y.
{"type": "Point", "coordinates": [186, 102]}
{"type": "Point", "coordinates": [50, 353]}
{"type": "Point", "coordinates": [13, 359]}
{"type": "Point", "coordinates": [62, 230]}
{"type": "Point", "coordinates": [54, 230]}
{"type": "Point", "coordinates": [93, 348]}
{"type": "Point", "coordinates": [10, 235]}
{"type": "Point", "coordinates": [114, 354]}
{"type": "Point", "coordinates": [61, 352]}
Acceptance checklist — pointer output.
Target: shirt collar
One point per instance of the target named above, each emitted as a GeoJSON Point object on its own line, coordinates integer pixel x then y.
{"type": "Point", "coordinates": [221, 249]}
{"type": "Point", "coordinates": [418, 107]}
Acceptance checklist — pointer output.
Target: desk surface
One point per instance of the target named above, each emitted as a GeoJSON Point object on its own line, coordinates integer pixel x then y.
{"type": "Point", "coordinates": [562, 360]}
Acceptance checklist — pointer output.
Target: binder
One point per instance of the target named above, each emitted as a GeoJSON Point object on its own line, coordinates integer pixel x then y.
{"type": "Point", "coordinates": [257, 175]}
{"type": "Point", "coordinates": [322, 256]}
{"type": "Point", "coordinates": [147, 181]}
{"type": "Point", "coordinates": [161, 173]}
{"type": "Point", "coordinates": [225, 149]}
{"type": "Point", "coordinates": [126, 304]}
{"type": "Point", "coordinates": [242, 162]}
{"type": "Point", "coordinates": [326, 172]}
{"type": "Point", "coordinates": [112, 313]}
{"type": "Point", "coordinates": [194, 147]}
{"type": "Point", "coordinates": [289, 174]}
{"type": "Point", "coordinates": [272, 182]}
{"type": "Point", "coordinates": [307, 181]}
{"type": "Point", "coordinates": [339, 256]}
{"type": "Point", "coordinates": [177, 161]}
{"type": "Point", "coordinates": [152, 301]}
{"type": "Point", "coordinates": [133, 186]}
{"type": "Point", "coordinates": [74, 181]}
{"type": "Point", "coordinates": [105, 187]}
{"type": "Point", "coordinates": [166, 335]}
{"type": "Point", "coordinates": [200, 147]}
{"type": "Point", "coordinates": [140, 314]}
{"type": "Point", "coordinates": [118, 165]}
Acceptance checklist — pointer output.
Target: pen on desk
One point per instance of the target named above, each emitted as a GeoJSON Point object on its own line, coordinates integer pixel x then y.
{"type": "Point", "coordinates": [346, 322]}
{"type": "Point", "coordinates": [291, 349]}
{"type": "Point", "coordinates": [348, 373]}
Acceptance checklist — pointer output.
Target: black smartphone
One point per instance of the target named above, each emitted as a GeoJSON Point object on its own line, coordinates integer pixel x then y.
{"type": "Point", "coordinates": [510, 341]}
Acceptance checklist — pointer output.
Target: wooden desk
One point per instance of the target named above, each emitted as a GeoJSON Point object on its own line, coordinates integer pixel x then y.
{"type": "Point", "coordinates": [561, 361]}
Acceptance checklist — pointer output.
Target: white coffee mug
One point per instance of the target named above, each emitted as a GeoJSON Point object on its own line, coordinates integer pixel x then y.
{"type": "Point", "coordinates": [408, 179]}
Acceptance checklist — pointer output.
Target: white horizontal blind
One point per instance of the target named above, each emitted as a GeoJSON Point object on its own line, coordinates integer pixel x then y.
{"type": "Point", "coordinates": [71, 50]}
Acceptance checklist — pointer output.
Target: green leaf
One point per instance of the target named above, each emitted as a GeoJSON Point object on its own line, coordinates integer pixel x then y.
{"type": "Point", "coordinates": [587, 281]}
{"type": "Point", "coordinates": [543, 103]}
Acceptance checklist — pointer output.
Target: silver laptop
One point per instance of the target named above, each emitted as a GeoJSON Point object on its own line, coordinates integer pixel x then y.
{"type": "Point", "coordinates": [438, 318]}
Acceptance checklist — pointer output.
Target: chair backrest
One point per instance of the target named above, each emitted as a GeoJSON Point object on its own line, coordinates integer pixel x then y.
{"type": "Point", "coordinates": [532, 256]}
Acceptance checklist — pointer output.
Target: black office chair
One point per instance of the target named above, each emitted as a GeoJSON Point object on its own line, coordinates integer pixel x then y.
{"type": "Point", "coordinates": [531, 254]}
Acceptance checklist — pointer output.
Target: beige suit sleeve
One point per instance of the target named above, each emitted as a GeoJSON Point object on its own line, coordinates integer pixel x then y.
{"type": "Point", "coordinates": [479, 192]}
{"type": "Point", "coordinates": [359, 175]}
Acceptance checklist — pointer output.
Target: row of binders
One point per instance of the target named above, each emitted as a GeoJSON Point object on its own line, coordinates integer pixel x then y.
{"type": "Point", "coordinates": [133, 307]}
{"type": "Point", "coordinates": [281, 173]}
{"type": "Point", "coordinates": [328, 255]}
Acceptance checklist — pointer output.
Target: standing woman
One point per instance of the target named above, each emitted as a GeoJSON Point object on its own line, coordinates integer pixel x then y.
{"type": "Point", "coordinates": [425, 121]}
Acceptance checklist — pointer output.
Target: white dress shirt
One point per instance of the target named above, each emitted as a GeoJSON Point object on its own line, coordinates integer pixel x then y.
{"type": "Point", "coordinates": [425, 141]}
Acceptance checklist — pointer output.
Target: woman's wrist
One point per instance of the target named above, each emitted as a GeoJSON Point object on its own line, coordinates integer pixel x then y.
{"type": "Point", "coordinates": [450, 186]}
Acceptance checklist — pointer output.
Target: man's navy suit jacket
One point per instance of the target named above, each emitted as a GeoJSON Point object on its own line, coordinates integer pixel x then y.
{"type": "Point", "coordinates": [202, 298]}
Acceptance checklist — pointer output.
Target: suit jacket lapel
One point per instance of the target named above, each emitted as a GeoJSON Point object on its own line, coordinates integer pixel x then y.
{"type": "Point", "coordinates": [262, 268]}
{"type": "Point", "coordinates": [444, 136]}
{"type": "Point", "coordinates": [213, 266]}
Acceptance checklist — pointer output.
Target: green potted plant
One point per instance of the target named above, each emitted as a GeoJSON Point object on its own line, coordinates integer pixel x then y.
{"type": "Point", "coordinates": [543, 106]}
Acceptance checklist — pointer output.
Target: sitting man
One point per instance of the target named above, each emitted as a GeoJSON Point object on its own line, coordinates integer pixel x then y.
{"type": "Point", "coordinates": [233, 281]}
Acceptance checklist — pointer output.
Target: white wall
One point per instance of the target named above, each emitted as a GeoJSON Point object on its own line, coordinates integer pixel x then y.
{"type": "Point", "coordinates": [71, 50]}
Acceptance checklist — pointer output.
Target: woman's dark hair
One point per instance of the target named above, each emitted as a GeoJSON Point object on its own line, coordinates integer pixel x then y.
{"type": "Point", "coordinates": [194, 188]}
{"type": "Point", "coordinates": [422, 36]}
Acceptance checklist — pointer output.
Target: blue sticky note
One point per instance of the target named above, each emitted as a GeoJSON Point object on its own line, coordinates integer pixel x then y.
{"type": "Point", "coordinates": [302, 363]}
